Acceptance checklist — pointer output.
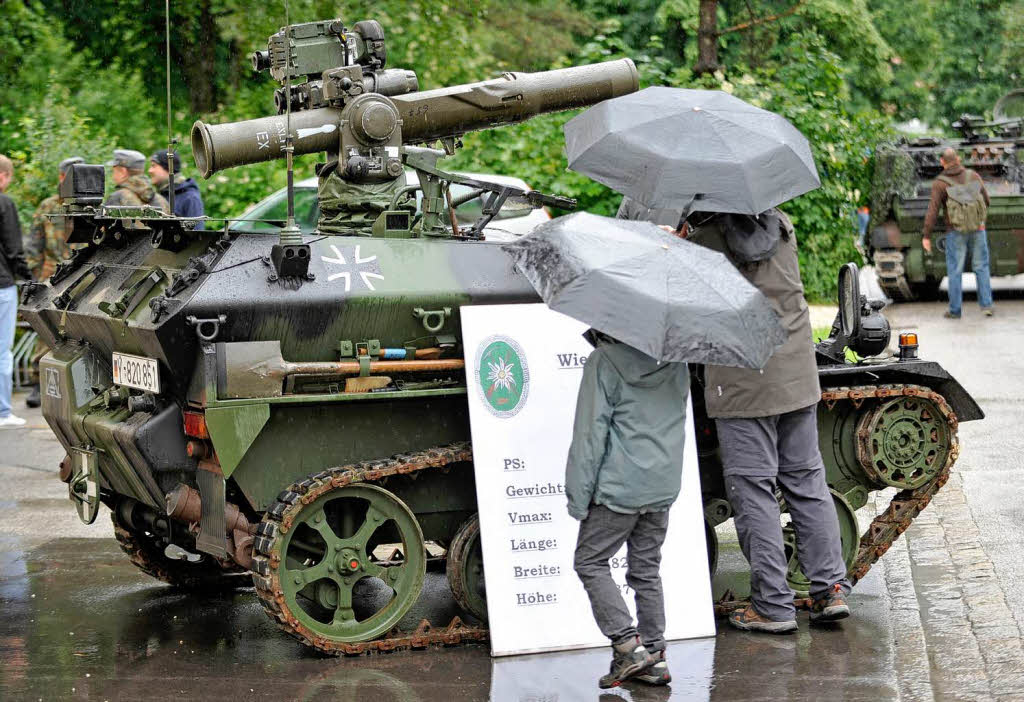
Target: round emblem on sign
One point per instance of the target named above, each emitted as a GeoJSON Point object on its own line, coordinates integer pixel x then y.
{"type": "Point", "coordinates": [502, 375]}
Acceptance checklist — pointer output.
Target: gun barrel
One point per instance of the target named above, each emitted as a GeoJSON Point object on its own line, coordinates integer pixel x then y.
{"type": "Point", "coordinates": [514, 97]}
{"type": "Point", "coordinates": [219, 146]}
{"type": "Point", "coordinates": [426, 116]}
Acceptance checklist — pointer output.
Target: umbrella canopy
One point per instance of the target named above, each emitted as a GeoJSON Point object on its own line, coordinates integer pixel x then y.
{"type": "Point", "coordinates": [671, 299]}
{"type": "Point", "coordinates": [670, 147]}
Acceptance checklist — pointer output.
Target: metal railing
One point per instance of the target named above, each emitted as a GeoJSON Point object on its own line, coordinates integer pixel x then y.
{"type": "Point", "coordinates": [23, 351]}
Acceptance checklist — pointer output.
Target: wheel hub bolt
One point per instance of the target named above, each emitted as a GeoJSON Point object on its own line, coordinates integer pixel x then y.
{"type": "Point", "coordinates": [348, 561]}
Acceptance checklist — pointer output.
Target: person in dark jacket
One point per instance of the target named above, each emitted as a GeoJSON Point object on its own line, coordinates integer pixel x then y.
{"type": "Point", "coordinates": [188, 202]}
{"type": "Point", "coordinates": [12, 267]}
{"type": "Point", "coordinates": [768, 433]}
{"type": "Point", "coordinates": [767, 425]}
{"type": "Point", "coordinates": [623, 473]}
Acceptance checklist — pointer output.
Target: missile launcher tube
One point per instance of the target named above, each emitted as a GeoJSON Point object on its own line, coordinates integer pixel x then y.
{"type": "Point", "coordinates": [426, 116]}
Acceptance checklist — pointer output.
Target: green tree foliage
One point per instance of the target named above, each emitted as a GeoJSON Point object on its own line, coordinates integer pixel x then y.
{"type": "Point", "coordinates": [85, 76]}
{"type": "Point", "coordinates": [950, 57]}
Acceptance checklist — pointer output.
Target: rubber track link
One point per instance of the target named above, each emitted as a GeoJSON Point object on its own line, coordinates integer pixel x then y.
{"type": "Point", "coordinates": [279, 517]}
{"type": "Point", "coordinates": [904, 506]}
{"type": "Point", "coordinates": [896, 287]}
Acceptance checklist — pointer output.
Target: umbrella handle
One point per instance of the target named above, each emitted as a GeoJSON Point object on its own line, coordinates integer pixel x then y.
{"type": "Point", "coordinates": [686, 212]}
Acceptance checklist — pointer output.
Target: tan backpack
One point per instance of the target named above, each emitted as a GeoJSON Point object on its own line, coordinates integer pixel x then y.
{"type": "Point", "coordinates": [965, 205]}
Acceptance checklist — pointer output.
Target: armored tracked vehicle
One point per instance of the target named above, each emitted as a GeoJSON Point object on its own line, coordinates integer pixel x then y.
{"type": "Point", "coordinates": [901, 191]}
{"type": "Point", "coordinates": [294, 406]}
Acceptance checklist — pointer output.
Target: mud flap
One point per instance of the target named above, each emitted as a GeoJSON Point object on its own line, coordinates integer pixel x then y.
{"type": "Point", "coordinates": [212, 527]}
{"type": "Point", "coordinates": [84, 486]}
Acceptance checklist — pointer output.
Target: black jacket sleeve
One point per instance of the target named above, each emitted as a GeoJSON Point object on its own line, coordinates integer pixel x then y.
{"type": "Point", "coordinates": [14, 264]}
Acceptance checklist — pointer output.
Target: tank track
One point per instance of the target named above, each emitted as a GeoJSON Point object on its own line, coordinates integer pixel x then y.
{"type": "Point", "coordinates": [279, 518]}
{"type": "Point", "coordinates": [147, 557]}
{"type": "Point", "coordinates": [895, 285]}
{"type": "Point", "coordinates": [876, 540]}
{"type": "Point", "coordinates": [904, 506]}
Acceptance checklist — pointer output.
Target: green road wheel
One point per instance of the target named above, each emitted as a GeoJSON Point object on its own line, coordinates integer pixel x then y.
{"type": "Point", "coordinates": [327, 556]}
{"type": "Point", "coordinates": [711, 541]}
{"type": "Point", "coordinates": [903, 442]}
{"type": "Point", "coordinates": [466, 569]}
{"type": "Point", "coordinates": [848, 533]}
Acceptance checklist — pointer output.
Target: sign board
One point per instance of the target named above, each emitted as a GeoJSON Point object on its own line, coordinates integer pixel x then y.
{"type": "Point", "coordinates": [523, 365]}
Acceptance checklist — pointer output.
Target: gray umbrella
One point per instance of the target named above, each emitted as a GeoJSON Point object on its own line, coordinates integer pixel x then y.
{"type": "Point", "coordinates": [671, 299]}
{"type": "Point", "coordinates": [670, 147]}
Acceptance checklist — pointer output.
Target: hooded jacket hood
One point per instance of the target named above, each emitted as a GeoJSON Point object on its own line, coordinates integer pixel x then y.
{"type": "Point", "coordinates": [635, 367]}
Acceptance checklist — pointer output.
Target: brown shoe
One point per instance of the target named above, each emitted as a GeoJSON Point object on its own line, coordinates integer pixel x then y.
{"type": "Point", "coordinates": [747, 619]}
{"type": "Point", "coordinates": [831, 607]}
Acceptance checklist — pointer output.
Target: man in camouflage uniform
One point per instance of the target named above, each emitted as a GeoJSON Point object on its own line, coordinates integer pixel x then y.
{"type": "Point", "coordinates": [47, 239]}
{"type": "Point", "coordinates": [46, 247]}
{"type": "Point", "coordinates": [133, 188]}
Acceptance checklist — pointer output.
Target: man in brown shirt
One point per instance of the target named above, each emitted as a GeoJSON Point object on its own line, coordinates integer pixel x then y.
{"type": "Point", "coordinates": [957, 242]}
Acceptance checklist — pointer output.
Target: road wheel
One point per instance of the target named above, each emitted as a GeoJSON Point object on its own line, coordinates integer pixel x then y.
{"type": "Point", "coordinates": [466, 569]}
{"type": "Point", "coordinates": [849, 536]}
{"type": "Point", "coordinates": [325, 580]}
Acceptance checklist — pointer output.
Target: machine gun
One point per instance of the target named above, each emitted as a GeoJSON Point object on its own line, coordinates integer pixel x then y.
{"type": "Point", "coordinates": [368, 119]}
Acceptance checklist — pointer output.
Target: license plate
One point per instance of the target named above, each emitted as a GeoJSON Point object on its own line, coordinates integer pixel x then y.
{"type": "Point", "coordinates": [136, 372]}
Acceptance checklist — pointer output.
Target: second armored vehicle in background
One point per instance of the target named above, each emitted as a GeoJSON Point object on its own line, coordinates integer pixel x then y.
{"type": "Point", "coordinates": [904, 173]}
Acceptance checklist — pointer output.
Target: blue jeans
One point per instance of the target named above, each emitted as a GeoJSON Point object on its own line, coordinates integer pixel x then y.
{"type": "Point", "coordinates": [8, 317]}
{"type": "Point", "coordinates": [956, 255]}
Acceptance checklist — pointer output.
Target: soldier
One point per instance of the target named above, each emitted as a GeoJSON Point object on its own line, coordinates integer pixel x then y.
{"type": "Point", "coordinates": [187, 200]}
{"type": "Point", "coordinates": [133, 188]}
{"type": "Point", "coordinates": [46, 247]}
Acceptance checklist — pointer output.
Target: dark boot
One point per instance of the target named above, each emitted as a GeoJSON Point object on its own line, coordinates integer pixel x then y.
{"type": "Point", "coordinates": [748, 619]}
{"type": "Point", "coordinates": [628, 658]}
{"type": "Point", "coordinates": [33, 400]}
{"type": "Point", "coordinates": [657, 672]}
{"type": "Point", "coordinates": [831, 607]}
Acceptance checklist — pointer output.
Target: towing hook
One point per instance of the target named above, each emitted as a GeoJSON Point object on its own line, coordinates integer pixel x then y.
{"type": "Point", "coordinates": [207, 329]}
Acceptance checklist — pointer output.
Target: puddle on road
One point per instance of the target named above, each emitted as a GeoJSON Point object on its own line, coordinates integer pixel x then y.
{"type": "Point", "coordinates": [77, 621]}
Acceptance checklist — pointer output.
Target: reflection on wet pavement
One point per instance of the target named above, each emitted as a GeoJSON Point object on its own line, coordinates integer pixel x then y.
{"type": "Point", "coordinates": [77, 621]}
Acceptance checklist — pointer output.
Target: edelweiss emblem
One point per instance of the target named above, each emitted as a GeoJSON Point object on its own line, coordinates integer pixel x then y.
{"type": "Point", "coordinates": [363, 268]}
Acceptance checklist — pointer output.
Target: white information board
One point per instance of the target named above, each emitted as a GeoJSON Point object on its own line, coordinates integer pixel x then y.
{"type": "Point", "coordinates": [523, 366]}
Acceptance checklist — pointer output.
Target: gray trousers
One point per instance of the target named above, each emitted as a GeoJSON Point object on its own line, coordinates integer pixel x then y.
{"type": "Point", "coordinates": [601, 535]}
{"type": "Point", "coordinates": [758, 454]}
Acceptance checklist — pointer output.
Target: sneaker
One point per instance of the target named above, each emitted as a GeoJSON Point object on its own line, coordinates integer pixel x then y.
{"type": "Point", "coordinates": [33, 400]}
{"type": "Point", "coordinates": [831, 607]}
{"type": "Point", "coordinates": [628, 658]}
{"type": "Point", "coordinates": [748, 619]}
{"type": "Point", "coordinates": [11, 421]}
{"type": "Point", "coordinates": [988, 311]}
{"type": "Point", "coordinates": [949, 315]}
{"type": "Point", "coordinates": [657, 672]}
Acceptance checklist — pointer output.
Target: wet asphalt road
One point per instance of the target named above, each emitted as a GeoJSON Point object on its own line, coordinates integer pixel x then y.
{"type": "Point", "coordinates": [935, 619]}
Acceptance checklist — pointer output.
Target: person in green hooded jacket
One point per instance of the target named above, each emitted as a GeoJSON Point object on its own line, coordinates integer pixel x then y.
{"type": "Point", "coordinates": [623, 473]}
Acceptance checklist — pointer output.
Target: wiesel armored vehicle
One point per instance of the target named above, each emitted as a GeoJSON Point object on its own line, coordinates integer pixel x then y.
{"type": "Point", "coordinates": [294, 407]}
{"type": "Point", "coordinates": [901, 191]}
